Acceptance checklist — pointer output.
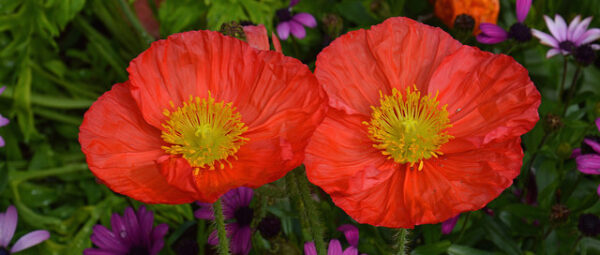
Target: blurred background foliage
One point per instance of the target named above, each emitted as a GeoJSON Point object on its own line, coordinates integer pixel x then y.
{"type": "Point", "coordinates": [58, 56]}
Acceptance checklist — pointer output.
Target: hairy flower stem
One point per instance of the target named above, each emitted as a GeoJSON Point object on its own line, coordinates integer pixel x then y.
{"type": "Point", "coordinates": [297, 184]}
{"type": "Point", "coordinates": [402, 241]}
{"type": "Point", "coordinates": [221, 232]}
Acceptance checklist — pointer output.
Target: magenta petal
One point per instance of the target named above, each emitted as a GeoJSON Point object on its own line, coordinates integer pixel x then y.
{"type": "Point", "coordinates": [10, 224]}
{"type": "Point", "coordinates": [305, 19]}
{"type": "Point", "coordinates": [92, 251]}
{"type": "Point", "coordinates": [105, 239]}
{"type": "Point", "coordinates": [545, 39]}
{"type": "Point", "coordinates": [297, 29]}
{"type": "Point", "coordinates": [2, 89]}
{"type": "Point", "coordinates": [493, 30]}
{"type": "Point", "coordinates": [30, 239]}
{"type": "Point", "coordinates": [335, 248]}
{"type": "Point", "coordinates": [310, 249]}
{"type": "Point", "coordinates": [598, 190]}
{"type": "Point", "coordinates": [293, 2]}
{"type": "Point", "coordinates": [576, 153]}
{"type": "Point", "coordinates": [132, 225]}
{"type": "Point", "coordinates": [145, 220]}
{"type": "Point", "coordinates": [283, 30]}
{"type": "Point", "coordinates": [350, 251]}
{"type": "Point", "coordinates": [235, 199]}
{"type": "Point", "coordinates": [588, 163]}
{"type": "Point", "coordinates": [213, 239]}
{"type": "Point", "coordinates": [2, 143]}
{"type": "Point", "coordinates": [157, 246]}
{"type": "Point", "coordinates": [448, 225]}
{"type": "Point", "coordinates": [351, 233]}
{"type": "Point", "coordinates": [523, 7]}
{"type": "Point", "coordinates": [595, 146]}
{"type": "Point", "coordinates": [240, 240]}
{"type": "Point", "coordinates": [488, 40]}
{"type": "Point", "coordinates": [205, 213]}
{"type": "Point", "coordinates": [597, 123]}
{"type": "Point", "coordinates": [3, 121]}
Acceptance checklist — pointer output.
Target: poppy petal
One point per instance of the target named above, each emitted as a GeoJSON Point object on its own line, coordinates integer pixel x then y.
{"type": "Point", "coordinates": [257, 36]}
{"type": "Point", "coordinates": [398, 53]}
{"type": "Point", "coordinates": [121, 149]}
{"type": "Point", "coordinates": [489, 97]}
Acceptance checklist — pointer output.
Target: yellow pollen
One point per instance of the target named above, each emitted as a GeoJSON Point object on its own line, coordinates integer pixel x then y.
{"type": "Point", "coordinates": [409, 128]}
{"type": "Point", "coordinates": [206, 133]}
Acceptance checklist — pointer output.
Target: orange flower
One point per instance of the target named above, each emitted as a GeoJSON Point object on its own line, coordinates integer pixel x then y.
{"type": "Point", "coordinates": [420, 128]}
{"type": "Point", "coordinates": [201, 114]}
{"type": "Point", "coordinates": [479, 10]}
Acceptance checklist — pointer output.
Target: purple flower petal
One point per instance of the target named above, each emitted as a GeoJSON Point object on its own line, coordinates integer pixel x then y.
{"type": "Point", "coordinates": [493, 30]}
{"type": "Point", "coordinates": [92, 251]}
{"type": "Point", "coordinates": [297, 29]}
{"type": "Point", "coordinates": [545, 39]}
{"type": "Point", "coordinates": [118, 227]}
{"type": "Point", "coordinates": [9, 225]}
{"type": "Point", "coordinates": [283, 30]}
{"type": "Point", "coordinates": [588, 164]}
{"type": "Point", "coordinates": [205, 212]}
{"type": "Point", "coordinates": [235, 199]}
{"type": "Point", "coordinates": [561, 27]}
{"type": "Point", "coordinates": [3, 121]}
{"type": "Point", "coordinates": [576, 153]}
{"type": "Point", "coordinates": [310, 249]}
{"type": "Point", "coordinates": [488, 40]}
{"type": "Point", "coordinates": [240, 240]}
{"type": "Point", "coordinates": [595, 46]}
{"type": "Point", "coordinates": [580, 29]}
{"type": "Point", "coordinates": [293, 2]}
{"type": "Point", "coordinates": [589, 36]}
{"type": "Point", "coordinates": [598, 190]}
{"type": "Point", "coordinates": [595, 146]}
{"type": "Point", "coordinates": [523, 7]}
{"type": "Point", "coordinates": [2, 89]}
{"type": "Point", "coordinates": [160, 231]}
{"type": "Point", "coordinates": [145, 221]}
{"type": "Point", "coordinates": [335, 248]}
{"type": "Point", "coordinates": [597, 123]}
{"type": "Point", "coordinates": [2, 143]}
{"type": "Point", "coordinates": [572, 26]}
{"type": "Point", "coordinates": [157, 246]}
{"type": "Point", "coordinates": [552, 53]}
{"type": "Point", "coordinates": [213, 239]}
{"type": "Point", "coordinates": [30, 239]}
{"type": "Point", "coordinates": [350, 251]}
{"type": "Point", "coordinates": [105, 239]}
{"type": "Point", "coordinates": [448, 225]}
{"type": "Point", "coordinates": [305, 19]}
{"type": "Point", "coordinates": [351, 233]}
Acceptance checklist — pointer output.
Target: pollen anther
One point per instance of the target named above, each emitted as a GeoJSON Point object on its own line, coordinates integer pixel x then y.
{"type": "Point", "coordinates": [409, 128]}
{"type": "Point", "coordinates": [204, 132]}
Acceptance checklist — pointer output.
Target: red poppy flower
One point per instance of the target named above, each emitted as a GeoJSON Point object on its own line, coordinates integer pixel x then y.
{"type": "Point", "coordinates": [421, 128]}
{"type": "Point", "coordinates": [202, 113]}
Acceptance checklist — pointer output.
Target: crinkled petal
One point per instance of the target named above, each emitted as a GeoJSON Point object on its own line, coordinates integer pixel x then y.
{"type": "Point", "coordinates": [448, 225]}
{"type": "Point", "coordinates": [335, 247]}
{"type": "Point", "coordinates": [30, 239]}
{"type": "Point", "coordinates": [305, 19]}
{"type": "Point", "coordinates": [588, 163]}
{"type": "Point", "coordinates": [398, 53]}
{"type": "Point", "coordinates": [523, 7]}
{"type": "Point", "coordinates": [588, 37]}
{"type": "Point", "coordinates": [545, 39]}
{"type": "Point", "coordinates": [257, 37]}
{"type": "Point", "coordinates": [121, 149]}
{"type": "Point", "coordinates": [10, 218]}
{"type": "Point", "coordinates": [283, 30]}
{"type": "Point", "coordinates": [351, 233]}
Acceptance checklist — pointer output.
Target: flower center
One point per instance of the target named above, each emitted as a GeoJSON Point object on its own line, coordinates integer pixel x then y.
{"type": "Point", "coordinates": [204, 132]}
{"type": "Point", "coordinates": [243, 215]}
{"type": "Point", "coordinates": [4, 251]}
{"type": "Point", "coordinates": [567, 46]}
{"type": "Point", "coordinates": [520, 32]}
{"type": "Point", "coordinates": [409, 128]}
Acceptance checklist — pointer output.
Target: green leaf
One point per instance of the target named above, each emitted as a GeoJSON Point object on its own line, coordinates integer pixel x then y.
{"type": "Point", "coordinates": [465, 250]}
{"type": "Point", "coordinates": [432, 249]}
{"type": "Point", "coordinates": [500, 235]}
{"type": "Point", "coordinates": [355, 11]}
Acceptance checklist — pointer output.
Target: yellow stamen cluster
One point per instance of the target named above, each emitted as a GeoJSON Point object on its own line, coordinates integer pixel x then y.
{"type": "Point", "coordinates": [409, 128]}
{"type": "Point", "coordinates": [204, 132]}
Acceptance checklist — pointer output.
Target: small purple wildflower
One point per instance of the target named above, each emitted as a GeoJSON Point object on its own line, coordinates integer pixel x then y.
{"type": "Point", "coordinates": [588, 156]}
{"type": "Point", "coordinates": [131, 233]}
{"type": "Point", "coordinates": [294, 24]}
{"type": "Point", "coordinates": [335, 247]}
{"type": "Point", "coordinates": [3, 121]}
{"type": "Point", "coordinates": [492, 33]}
{"type": "Point", "coordinates": [448, 225]}
{"type": "Point", "coordinates": [236, 205]}
{"type": "Point", "coordinates": [566, 39]}
{"type": "Point", "coordinates": [8, 225]}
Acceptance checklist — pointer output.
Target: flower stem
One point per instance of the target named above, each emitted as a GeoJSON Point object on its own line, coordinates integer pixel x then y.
{"type": "Point", "coordinates": [221, 232]}
{"type": "Point", "coordinates": [402, 241]}
{"type": "Point", "coordinates": [136, 22]}
{"type": "Point", "coordinates": [572, 89]}
{"type": "Point", "coordinates": [564, 78]}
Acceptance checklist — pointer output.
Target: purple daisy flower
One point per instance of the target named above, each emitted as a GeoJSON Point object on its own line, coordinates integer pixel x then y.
{"type": "Point", "coordinates": [448, 225]}
{"type": "Point", "coordinates": [131, 233]}
{"type": "Point", "coordinates": [588, 156]}
{"type": "Point", "coordinates": [335, 247]}
{"type": "Point", "coordinates": [565, 39]}
{"type": "Point", "coordinates": [293, 24]}
{"type": "Point", "coordinates": [3, 121]}
{"type": "Point", "coordinates": [8, 225]}
{"type": "Point", "coordinates": [236, 205]}
{"type": "Point", "coordinates": [492, 33]}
